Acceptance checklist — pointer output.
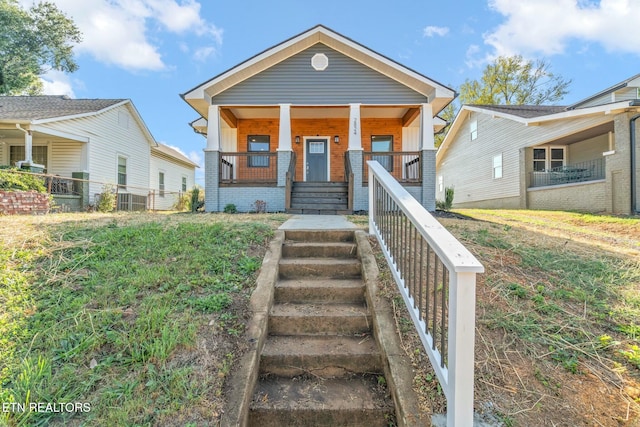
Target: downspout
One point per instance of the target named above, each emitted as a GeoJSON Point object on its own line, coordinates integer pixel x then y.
{"type": "Point", "coordinates": [632, 133]}
{"type": "Point", "coordinates": [27, 144]}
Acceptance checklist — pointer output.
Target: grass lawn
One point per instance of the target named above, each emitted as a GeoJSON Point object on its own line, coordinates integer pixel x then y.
{"type": "Point", "coordinates": [131, 319]}
{"type": "Point", "coordinates": [139, 318]}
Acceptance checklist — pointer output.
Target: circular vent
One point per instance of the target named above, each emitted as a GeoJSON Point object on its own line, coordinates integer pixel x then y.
{"type": "Point", "coordinates": [319, 62]}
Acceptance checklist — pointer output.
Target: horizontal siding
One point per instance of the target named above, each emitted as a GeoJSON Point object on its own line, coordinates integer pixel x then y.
{"type": "Point", "coordinates": [295, 81]}
{"type": "Point", "coordinates": [110, 136]}
{"type": "Point", "coordinates": [173, 174]}
{"type": "Point", "coordinates": [65, 158]}
{"type": "Point", "coordinates": [627, 94]}
{"type": "Point", "coordinates": [590, 149]}
{"type": "Point", "coordinates": [468, 165]}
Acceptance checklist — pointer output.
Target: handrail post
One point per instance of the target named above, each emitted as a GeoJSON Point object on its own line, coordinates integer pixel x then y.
{"type": "Point", "coordinates": [372, 204]}
{"type": "Point", "coordinates": [462, 294]}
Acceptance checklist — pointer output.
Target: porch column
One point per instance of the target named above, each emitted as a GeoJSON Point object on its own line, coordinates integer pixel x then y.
{"type": "Point", "coordinates": [211, 160]}
{"type": "Point", "coordinates": [284, 136]}
{"type": "Point", "coordinates": [427, 147]}
{"type": "Point", "coordinates": [355, 134]}
{"type": "Point", "coordinates": [213, 128]}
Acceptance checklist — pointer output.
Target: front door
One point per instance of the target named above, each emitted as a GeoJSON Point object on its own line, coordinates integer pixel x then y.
{"type": "Point", "coordinates": [316, 160]}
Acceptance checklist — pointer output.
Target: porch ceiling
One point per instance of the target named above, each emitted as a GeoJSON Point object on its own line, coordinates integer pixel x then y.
{"type": "Point", "coordinates": [583, 135]}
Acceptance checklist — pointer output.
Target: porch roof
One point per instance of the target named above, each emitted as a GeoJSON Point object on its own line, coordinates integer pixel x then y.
{"type": "Point", "coordinates": [199, 97]}
{"type": "Point", "coordinates": [30, 108]}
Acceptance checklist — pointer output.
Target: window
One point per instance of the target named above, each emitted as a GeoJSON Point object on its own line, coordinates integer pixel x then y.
{"type": "Point", "coordinates": [473, 129]}
{"type": "Point", "coordinates": [122, 172]}
{"type": "Point", "coordinates": [441, 183]}
{"type": "Point", "coordinates": [258, 143]}
{"type": "Point", "coordinates": [548, 158]}
{"type": "Point", "coordinates": [382, 144]}
{"type": "Point", "coordinates": [497, 166]}
{"type": "Point", "coordinates": [161, 183]}
{"type": "Point", "coordinates": [184, 183]}
{"type": "Point", "coordinates": [39, 154]}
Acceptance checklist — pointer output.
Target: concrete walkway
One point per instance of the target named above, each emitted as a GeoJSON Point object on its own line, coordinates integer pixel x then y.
{"type": "Point", "coordinates": [318, 222]}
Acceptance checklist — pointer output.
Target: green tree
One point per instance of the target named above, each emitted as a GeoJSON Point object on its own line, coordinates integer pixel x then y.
{"type": "Point", "coordinates": [33, 42]}
{"type": "Point", "coordinates": [448, 114]}
{"type": "Point", "coordinates": [512, 80]}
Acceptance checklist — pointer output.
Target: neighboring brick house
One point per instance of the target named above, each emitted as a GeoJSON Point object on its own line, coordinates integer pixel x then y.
{"type": "Point", "coordinates": [580, 157]}
{"type": "Point", "coordinates": [102, 140]}
{"type": "Point", "coordinates": [312, 110]}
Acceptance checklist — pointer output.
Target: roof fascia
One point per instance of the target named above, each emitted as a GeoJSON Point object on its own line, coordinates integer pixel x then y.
{"type": "Point", "coordinates": [161, 154]}
{"type": "Point", "coordinates": [606, 109]}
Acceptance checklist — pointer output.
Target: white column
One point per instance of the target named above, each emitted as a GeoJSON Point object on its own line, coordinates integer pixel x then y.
{"type": "Point", "coordinates": [284, 136]}
{"type": "Point", "coordinates": [28, 150]}
{"type": "Point", "coordinates": [426, 128]}
{"type": "Point", "coordinates": [355, 134]}
{"type": "Point", "coordinates": [213, 128]}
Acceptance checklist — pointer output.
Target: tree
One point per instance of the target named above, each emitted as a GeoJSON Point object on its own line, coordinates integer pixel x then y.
{"type": "Point", "coordinates": [511, 80]}
{"type": "Point", "coordinates": [33, 42]}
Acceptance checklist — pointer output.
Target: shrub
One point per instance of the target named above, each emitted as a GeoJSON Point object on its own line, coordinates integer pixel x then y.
{"type": "Point", "coordinates": [230, 208]}
{"type": "Point", "coordinates": [13, 181]}
{"type": "Point", "coordinates": [184, 202]}
{"type": "Point", "coordinates": [260, 206]}
{"type": "Point", "coordinates": [448, 200]}
{"type": "Point", "coordinates": [107, 199]}
{"type": "Point", "coordinates": [196, 201]}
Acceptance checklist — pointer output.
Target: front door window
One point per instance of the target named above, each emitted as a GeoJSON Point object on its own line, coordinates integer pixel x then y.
{"type": "Point", "coordinates": [316, 160]}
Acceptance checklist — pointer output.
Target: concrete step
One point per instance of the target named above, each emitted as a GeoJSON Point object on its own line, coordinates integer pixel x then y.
{"type": "Point", "coordinates": [320, 291]}
{"type": "Point", "coordinates": [306, 211]}
{"type": "Point", "coordinates": [313, 205]}
{"type": "Point", "coordinates": [334, 268]}
{"type": "Point", "coordinates": [319, 319]}
{"type": "Point", "coordinates": [321, 356]}
{"type": "Point", "coordinates": [356, 401]}
{"type": "Point", "coordinates": [319, 236]}
{"type": "Point", "coordinates": [319, 194]}
{"type": "Point", "coordinates": [326, 249]}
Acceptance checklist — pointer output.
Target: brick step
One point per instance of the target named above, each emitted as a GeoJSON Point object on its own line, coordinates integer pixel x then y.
{"type": "Point", "coordinates": [319, 319]}
{"type": "Point", "coordinates": [321, 356]}
{"type": "Point", "coordinates": [319, 291]}
{"type": "Point", "coordinates": [357, 401]}
{"type": "Point", "coordinates": [334, 268]}
{"type": "Point", "coordinates": [326, 250]}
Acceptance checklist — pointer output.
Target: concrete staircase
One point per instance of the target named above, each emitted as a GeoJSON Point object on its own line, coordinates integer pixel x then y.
{"type": "Point", "coordinates": [320, 364]}
{"type": "Point", "coordinates": [328, 198]}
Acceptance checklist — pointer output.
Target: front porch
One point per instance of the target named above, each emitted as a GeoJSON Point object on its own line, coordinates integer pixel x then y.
{"type": "Point", "coordinates": [267, 154]}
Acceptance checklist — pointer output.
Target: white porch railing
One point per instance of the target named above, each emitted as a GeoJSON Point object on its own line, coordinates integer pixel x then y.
{"type": "Point", "coordinates": [436, 276]}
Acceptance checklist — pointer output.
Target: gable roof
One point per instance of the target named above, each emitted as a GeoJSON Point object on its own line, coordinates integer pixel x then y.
{"type": "Point", "coordinates": [611, 89]}
{"type": "Point", "coordinates": [524, 111]}
{"type": "Point", "coordinates": [29, 108]}
{"type": "Point", "coordinates": [175, 154]}
{"type": "Point", "coordinates": [438, 94]}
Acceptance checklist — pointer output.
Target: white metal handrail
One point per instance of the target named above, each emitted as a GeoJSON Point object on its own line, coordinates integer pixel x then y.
{"type": "Point", "coordinates": [436, 276]}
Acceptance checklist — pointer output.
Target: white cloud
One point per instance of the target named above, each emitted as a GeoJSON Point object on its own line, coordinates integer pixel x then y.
{"type": "Point", "coordinates": [201, 54]}
{"type": "Point", "coordinates": [57, 85]}
{"type": "Point", "coordinates": [117, 31]}
{"type": "Point", "coordinates": [195, 157]}
{"type": "Point", "coordinates": [547, 26]}
{"type": "Point", "coordinates": [431, 31]}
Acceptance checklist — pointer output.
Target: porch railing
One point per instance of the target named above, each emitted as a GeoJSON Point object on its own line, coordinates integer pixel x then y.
{"type": "Point", "coordinates": [404, 166]}
{"type": "Point", "coordinates": [577, 172]}
{"type": "Point", "coordinates": [436, 276]}
{"type": "Point", "coordinates": [348, 176]}
{"type": "Point", "coordinates": [253, 169]}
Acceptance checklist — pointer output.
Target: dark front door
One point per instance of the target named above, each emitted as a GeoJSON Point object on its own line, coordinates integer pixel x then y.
{"type": "Point", "coordinates": [316, 160]}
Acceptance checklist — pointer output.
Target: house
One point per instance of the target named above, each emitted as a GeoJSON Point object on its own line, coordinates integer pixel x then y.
{"type": "Point", "coordinates": [293, 126]}
{"type": "Point", "coordinates": [579, 157]}
{"type": "Point", "coordinates": [104, 141]}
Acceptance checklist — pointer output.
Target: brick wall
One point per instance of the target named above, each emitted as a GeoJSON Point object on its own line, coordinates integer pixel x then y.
{"type": "Point", "coordinates": [587, 197]}
{"type": "Point", "coordinates": [23, 202]}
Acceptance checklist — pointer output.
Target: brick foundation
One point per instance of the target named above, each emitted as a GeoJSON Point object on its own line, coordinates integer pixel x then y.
{"type": "Point", "coordinates": [23, 202]}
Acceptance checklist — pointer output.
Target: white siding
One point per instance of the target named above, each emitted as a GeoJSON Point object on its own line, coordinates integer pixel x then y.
{"type": "Point", "coordinates": [65, 157]}
{"type": "Point", "coordinates": [410, 138]}
{"type": "Point", "coordinates": [627, 94]}
{"type": "Point", "coordinates": [468, 165]}
{"type": "Point", "coordinates": [173, 173]}
{"type": "Point", "coordinates": [588, 150]}
{"type": "Point", "coordinates": [111, 136]}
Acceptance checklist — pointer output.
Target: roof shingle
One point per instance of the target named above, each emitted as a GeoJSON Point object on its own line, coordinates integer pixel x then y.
{"type": "Point", "coordinates": [49, 106]}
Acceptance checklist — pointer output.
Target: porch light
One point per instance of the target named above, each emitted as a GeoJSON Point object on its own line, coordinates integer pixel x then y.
{"type": "Point", "coordinates": [297, 139]}
{"type": "Point", "coordinates": [336, 139]}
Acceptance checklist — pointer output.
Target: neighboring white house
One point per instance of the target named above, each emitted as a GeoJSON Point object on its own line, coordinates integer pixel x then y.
{"type": "Point", "coordinates": [102, 140]}
{"type": "Point", "coordinates": [577, 157]}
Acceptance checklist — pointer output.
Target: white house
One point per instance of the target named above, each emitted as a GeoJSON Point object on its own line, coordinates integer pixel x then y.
{"type": "Point", "coordinates": [101, 140]}
{"type": "Point", "coordinates": [578, 157]}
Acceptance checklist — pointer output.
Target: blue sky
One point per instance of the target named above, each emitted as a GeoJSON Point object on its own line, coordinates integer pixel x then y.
{"type": "Point", "coordinates": [150, 51]}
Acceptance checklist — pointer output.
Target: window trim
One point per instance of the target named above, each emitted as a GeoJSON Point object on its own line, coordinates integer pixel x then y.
{"type": "Point", "coordinates": [473, 129]}
{"type": "Point", "coordinates": [161, 183]}
{"type": "Point", "coordinates": [498, 171]}
{"type": "Point", "coordinates": [126, 171]}
{"type": "Point", "coordinates": [184, 182]}
{"type": "Point", "coordinates": [385, 159]}
{"type": "Point", "coordinates": [258, 162]}
{"type": "Point", "coordinates": [547, 156]}
{"type": "Point", "coordinates": [33, 154]}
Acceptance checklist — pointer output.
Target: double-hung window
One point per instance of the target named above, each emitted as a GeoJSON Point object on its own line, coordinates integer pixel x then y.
{"type": "Point", "coordinates": [497, 166]}
{"type": "Point", "coordinates": [258, 143]}
{"type": "Point", "coordinates": [473, 129]}
{"type": "Point", "coordinates": [122, 172]}
{"type": "Point", "coordinates": [184, 183]}
{"type": "Point", "coordinates": [39, 154]}
{"type": "Point", "coordinates": [548, 158]}
{"type": "Point", "coordinates": [161, 183]}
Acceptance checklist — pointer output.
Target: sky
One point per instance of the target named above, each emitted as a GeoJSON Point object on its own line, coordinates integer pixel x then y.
{"type": "Point", "coordinates": [151, 51]}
